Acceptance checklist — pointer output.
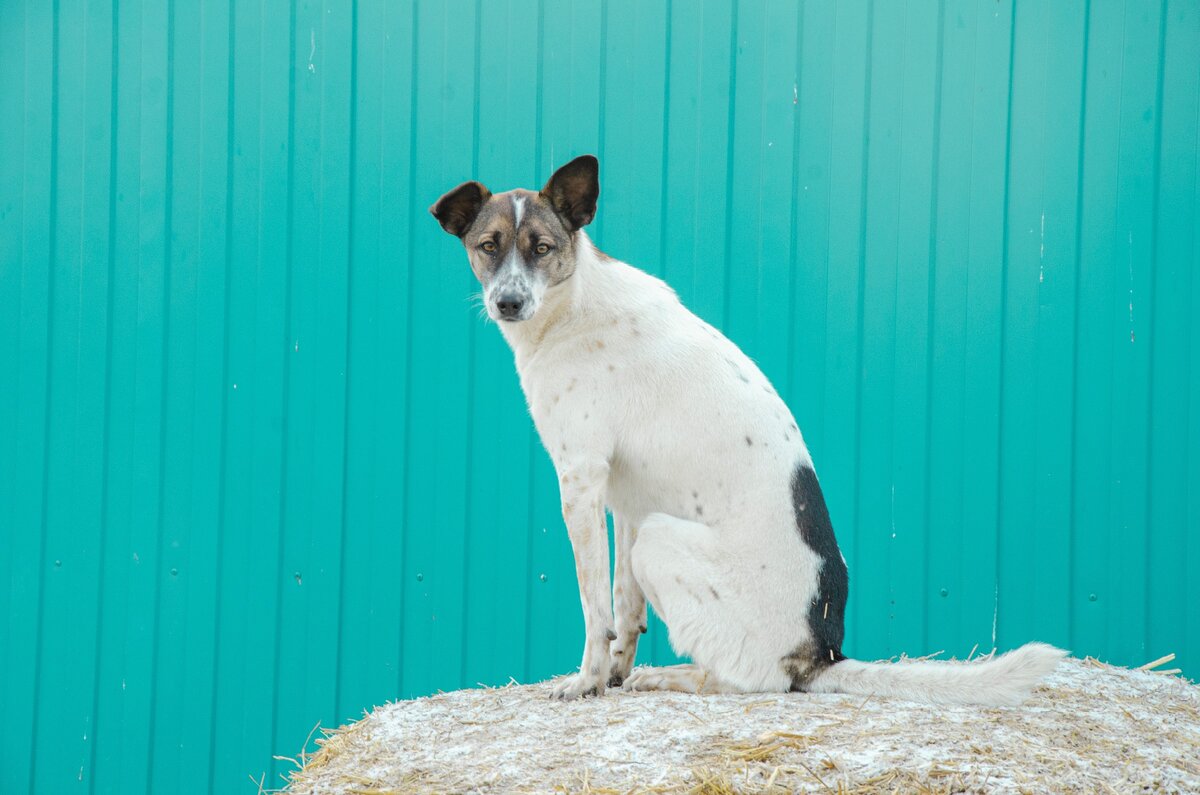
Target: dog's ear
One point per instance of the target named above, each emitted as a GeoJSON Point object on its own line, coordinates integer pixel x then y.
{"type": "Point", "coordinates": [457, 209]}
{"type": "Point", "coordinates": [572, 191]}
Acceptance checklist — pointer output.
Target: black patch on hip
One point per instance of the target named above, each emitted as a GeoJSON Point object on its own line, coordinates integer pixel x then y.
{"type": "Point", "coordinates": [826, 614]}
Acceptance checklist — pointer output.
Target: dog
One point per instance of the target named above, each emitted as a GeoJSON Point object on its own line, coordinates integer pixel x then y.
{"type": "Point", "coordinates": [719, 521]}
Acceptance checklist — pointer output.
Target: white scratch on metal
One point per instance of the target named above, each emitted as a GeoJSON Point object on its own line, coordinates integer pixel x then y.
{"type": "Point", "coordinates": [995, 615]}
{"type": "Point", "coordinates": [1131, 338]}
{"type": "Point", "coordinates": [893, 510]}
{"type": "Point", "coordinates": [1042, 252]}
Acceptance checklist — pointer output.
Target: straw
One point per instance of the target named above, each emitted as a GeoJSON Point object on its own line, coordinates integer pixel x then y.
{"type": "Point", "coordinates": [1092, 727]}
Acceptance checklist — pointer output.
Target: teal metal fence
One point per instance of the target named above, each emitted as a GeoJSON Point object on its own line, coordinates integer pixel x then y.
{"type": "Point", "coordinates": [252, 433]}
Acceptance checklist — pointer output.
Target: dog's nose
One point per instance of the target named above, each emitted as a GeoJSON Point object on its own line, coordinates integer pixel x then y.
{"type": "Point", "coordinates": [509, 305]}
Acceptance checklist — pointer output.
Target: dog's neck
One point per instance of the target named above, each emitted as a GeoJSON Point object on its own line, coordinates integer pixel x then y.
{"type": "Point", "coordinates": [560, 304]}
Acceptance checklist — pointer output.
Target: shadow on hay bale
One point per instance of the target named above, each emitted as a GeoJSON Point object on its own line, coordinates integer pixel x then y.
{"type": "Point", "coordinates": [1091, 728]}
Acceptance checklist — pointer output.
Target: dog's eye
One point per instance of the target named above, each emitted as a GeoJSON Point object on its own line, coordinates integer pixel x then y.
{"type": "Point", "coordinates": [542, 249]}
{"type": "Point", "coordinates": [488, 246]}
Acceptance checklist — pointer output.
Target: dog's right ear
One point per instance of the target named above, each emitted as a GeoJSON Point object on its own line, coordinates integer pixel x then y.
{"type": "Point", "coordinates": [457, 209]}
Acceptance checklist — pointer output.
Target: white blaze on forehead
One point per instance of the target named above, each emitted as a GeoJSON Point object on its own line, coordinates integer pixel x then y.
{"type": "Point", "coordinates": [510, 274]}
{"type": "Point", "coordinates": [511, 267]}
{"type": "Point", "coordinates": [518, 209]}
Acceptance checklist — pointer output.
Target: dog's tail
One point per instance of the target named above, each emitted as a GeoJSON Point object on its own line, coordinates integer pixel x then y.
{"type": "Point", "coordinates": [1001, 681]}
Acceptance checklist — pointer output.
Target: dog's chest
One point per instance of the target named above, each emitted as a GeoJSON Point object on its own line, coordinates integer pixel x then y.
{"type": "Point", "coordinates": [687, 425]}
{"type": "Point", "coordinates": [581, 389]}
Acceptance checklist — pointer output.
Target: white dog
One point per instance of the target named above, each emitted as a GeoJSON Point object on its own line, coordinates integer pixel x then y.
{"type": "Point", "coordinates": [719, 519]}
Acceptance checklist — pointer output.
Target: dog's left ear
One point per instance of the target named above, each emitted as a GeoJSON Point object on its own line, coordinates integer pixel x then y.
{"type": "Point", "coordinates": [573, 189]}
{"type": "Point", "coordinates": [456, 210]}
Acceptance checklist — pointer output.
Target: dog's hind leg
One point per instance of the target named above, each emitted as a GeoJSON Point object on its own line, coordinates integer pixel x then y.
{"type": "Point", "coordinates": [686, 678]}
{"type": "Point", "coordinates": [628, 601]}
{"type": "Point", "coordinates": [714, 614]}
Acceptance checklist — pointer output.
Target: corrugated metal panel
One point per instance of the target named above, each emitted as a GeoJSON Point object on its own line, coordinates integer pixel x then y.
{"type": "Point", "coordinates": [262, 466]}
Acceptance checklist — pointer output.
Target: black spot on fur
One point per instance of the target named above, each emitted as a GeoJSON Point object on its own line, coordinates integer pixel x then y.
{"type": "Point", "coordinates": [826, 615]}
{"type": "Point", "coordinates": [699, 510]}
{"type": "Point", "coordinates": [749, 442]}
{"type": "Point", "coordinates": [802, 665]}
{"type": "Point", "coordinates": [738, 370]}
{"type": "Point", "coordinates": [798, 666]}
{"type": "Point", "coordinates": [714, 593]}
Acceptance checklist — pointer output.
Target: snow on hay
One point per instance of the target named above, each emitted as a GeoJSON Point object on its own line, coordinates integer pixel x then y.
{"type": "Point", "coordinates": [1091, 728]}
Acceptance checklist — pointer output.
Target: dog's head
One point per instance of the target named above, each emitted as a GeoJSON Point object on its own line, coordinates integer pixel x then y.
{"type": "Point", "coordinates": [522, 243]}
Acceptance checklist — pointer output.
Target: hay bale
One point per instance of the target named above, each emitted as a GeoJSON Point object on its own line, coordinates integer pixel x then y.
{"type": "Point", "coordinates": [1091, 728]}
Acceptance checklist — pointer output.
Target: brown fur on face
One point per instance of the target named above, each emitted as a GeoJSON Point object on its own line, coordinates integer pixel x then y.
{"type": "Point", "coordinates": [540, 225]}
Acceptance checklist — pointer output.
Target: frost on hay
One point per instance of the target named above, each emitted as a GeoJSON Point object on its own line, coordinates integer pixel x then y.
{"type": "Point", "coordinates": [1091, 728]}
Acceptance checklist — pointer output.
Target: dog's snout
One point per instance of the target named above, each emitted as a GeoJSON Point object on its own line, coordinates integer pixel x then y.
{"type": "Point", "coordinates": [509, 305]}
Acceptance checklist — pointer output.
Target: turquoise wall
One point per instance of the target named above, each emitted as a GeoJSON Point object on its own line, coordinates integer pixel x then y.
{"type": "Point", "coordinates": [262, 466]}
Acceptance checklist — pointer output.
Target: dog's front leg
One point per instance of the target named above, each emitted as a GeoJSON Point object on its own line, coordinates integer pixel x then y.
{"type": "Point", "coordinates": [582, 490]}
{"type": "Point", "coordinates": [629, 603]}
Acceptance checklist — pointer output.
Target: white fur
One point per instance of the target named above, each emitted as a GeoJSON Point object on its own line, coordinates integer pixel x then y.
{"type": "Point", "coordinates": [1002, 681]}
{"type": "Point", "coordinates": [649, 410]}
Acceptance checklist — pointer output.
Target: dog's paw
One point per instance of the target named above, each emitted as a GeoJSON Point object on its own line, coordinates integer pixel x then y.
{"type": "Point", "coordinates": [578, 685]}
{"type": "Point", "coordinates": [685, 678]}
{"type": "Point", "coordinates": [622, 665]}
{"type": "Point", "coordinates": [623, 649]}
{"type": "Point", "coordinates": [644, 678]}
